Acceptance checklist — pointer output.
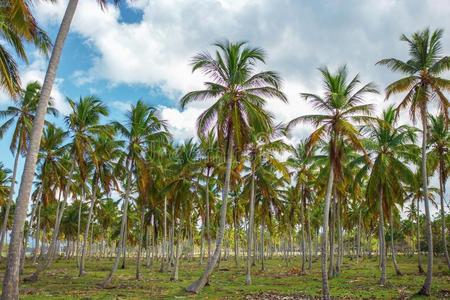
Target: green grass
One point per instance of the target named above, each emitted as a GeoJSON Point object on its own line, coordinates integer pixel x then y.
{"type": "Point", "coordinates": [356, 281]}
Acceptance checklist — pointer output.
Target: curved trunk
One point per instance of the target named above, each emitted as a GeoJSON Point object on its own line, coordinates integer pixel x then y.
{"type": "Point", "coordinates": [108, 279]}
{"type": "Point", "coordinates": [394, 260]}
{"type": "Point", "coordinates": [11, 280]}
{"type": "Point", "coordinates": [441, 195]}
{"type": "Point", "coordinates": [86, 230]}
{"type": "Point", "coordinates": [10, 200]}
{"type": "Point", "coordinates": [382, 247]}
{"type": "Point", "coordinates": [251, 217]}
{"type": "Point", "coordinates": [426, 288]}
{"type": "Point", "coordinates": [326, 212]}
{"type": "Point", "coordinates": [196, 286]}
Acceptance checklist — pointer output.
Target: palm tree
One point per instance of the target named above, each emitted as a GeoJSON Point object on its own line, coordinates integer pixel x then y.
{"type": "Point", "coordinates": [104, 151]}
{"type": "Point", "coordinates": [422, 85]}
{"type": "Point", "coordinates": [341, 105]}
{"type": "Point", "coordinates": [439, 157]}
{"type": "Point", "coordinates": [22, 114]}
{"type": "Point", "coordinates": [238, 93]}
{"type": "Point", "coordinates": [11, 280]}
{"type": "Point", "coordinates": [390, 148]}
{"type": "Point", "coordinates": [18, 25]}
{"type": "Point", "coordinates": [141, 129]}
{"type": "Point", "coordinates": [83, 124]}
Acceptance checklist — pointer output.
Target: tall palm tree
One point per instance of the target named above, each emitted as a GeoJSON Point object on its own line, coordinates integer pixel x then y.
{"type": "Point", "coordinates": [238, 94]}
{"type": "Point", "coordinates": [140, 130]}
{"type": "Point", "coordinates": [439, 157]}
{"type": "Point", "coordinates": [22, 114]}
{"type": "Point", "coordinates": [423, 85]}
{"type": "Point", "coordinates": [104, 152]}
{"type": "Point", "coordinates": [11, 280]}
{"type": "Point", "coordinates": [390, 149]}
{"type": "Point", "coordinates": [18, 25]}
{"type": "Point", "coordinates": [341, 105]}
{"type": "Point", "coordinates": [83, 124]}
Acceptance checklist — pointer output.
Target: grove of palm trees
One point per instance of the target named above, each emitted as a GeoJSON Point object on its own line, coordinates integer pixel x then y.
{"type": "Point", "coordinates": [104, 204]}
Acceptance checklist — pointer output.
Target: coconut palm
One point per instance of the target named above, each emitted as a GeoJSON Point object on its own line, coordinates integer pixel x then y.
{"type": "Point", "coordinates": [439, 156]}
{"type": "Point", "coordinates": [422, 85]}
{"type": "Point", "coordinates": [238, 94]}
{"type": "Point", "coordinates": [18, 25]}
{"type": "Point", "coordinates": [341, 105]}
{"type": "Point", "coordinates": [390, 149]}
{"type": "Point", "coordinates": [11, 280]}
{"type": "Point", "coordinates": [141, 129]}
{"type": "Point", "coordinates": [21, 117]}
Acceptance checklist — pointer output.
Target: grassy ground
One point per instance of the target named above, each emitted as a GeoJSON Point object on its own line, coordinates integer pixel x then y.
{"type": "Point", "coordinates": [356, 281]}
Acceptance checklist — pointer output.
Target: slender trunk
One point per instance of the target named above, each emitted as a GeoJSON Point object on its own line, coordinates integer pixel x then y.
{"type": "Point", "coordinates": [141, 237]}
{"type": "Point", "coordinates": [79, 228]}
{"type": "Point", "coordinates": [381, 239]}
{"type": "Point", "coordinates": [394, 260]}
{"type": "Point", "coordinates": [11, 280]}
{"type": "Point", "coordinates": [86, 230]}
{"type": "Point", "coordinates": [339, 229]}
{"type": "Point", "coordinates": [358, 237]}
{"type": "Point", "coordinates": [202, 242]}
{"type": "Point", "coordinates": [37, 234]}
{"type": "Point", "coordinates": [262, 242]}
{"type": "Point", "coordinates": [308, 231]}
{"type": "Point", "coordinates": [164, 243]}
{"type": "Point", "coordinates": [10, 200]}
{"type": "Point", "coordinates": [124, 244]}
{"type": "Point", "coordinates": [248, 278]}
{"type": "Point", "coordinates": [236, 228]}
{"type": "Point", "coordinates": [332, 234]}
{"type": "Point", "coordinates": [325, 288]}
{"type": "Point", "coordinates": [426, 288]}
{"type": "Point", "coordinates": [208, 229]}
{"type": "Point", "coordinates": [108, 279]}
{"type": "Point", "coordinates": [441, 195]}
{"type": "Point", "coordinates": [302, 228]}
{"type": "Point", "coordinates": [196, 286]}
{"type": "Point", "coordinates": [419, 254]}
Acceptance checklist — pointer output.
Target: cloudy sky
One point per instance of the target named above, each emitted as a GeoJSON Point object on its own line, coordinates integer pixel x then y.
{"type": "Point", "coordinates": [142, 49]}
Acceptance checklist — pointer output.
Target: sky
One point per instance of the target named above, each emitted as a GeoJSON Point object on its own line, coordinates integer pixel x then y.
{"type": "Point", "coordinates": [142, 49]}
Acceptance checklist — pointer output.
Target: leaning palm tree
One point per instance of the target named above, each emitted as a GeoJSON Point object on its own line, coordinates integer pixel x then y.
{"type": "Point", "coordinates": [440, 161]}
{"type": "Point", "coordinates": [22, 114]}
{"type": "Point", "coordinates": [341, 105]}
{"type": "Point", "coordinates": [423, 85]}
{"type": "Point", "coordinates": [238, 93]}
{"type": "Point", "coordinates": [11, 280]}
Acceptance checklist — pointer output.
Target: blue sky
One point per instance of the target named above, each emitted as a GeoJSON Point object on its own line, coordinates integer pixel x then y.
{"type": "Point", "coordinates": [141, 49]}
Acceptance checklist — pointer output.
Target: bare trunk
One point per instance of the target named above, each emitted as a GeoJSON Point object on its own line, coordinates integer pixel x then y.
{"type": "Point", "coordinates": [262, 242]}
{"type": "Point", "coordinates": [358, 237]}
{"type": "Point", "coordinates": [325, 288]}
{"type": "Point", "coordinates": [381, 239]}
{"type": "Point", "coordinates": [441, 195]}
{"type": "Point", "coordinates": [302, 229]}
{"type": "Point", "coordinates": [141, 237]}
{"type": "Point", "coordinates": [419, 254]}
{"type": "Point", "coordinates": [86, 230]}
{"type": "Point", "coordinates": [394, 260]}
{"type": "Point", "coordinates": [196, 286]}
{"type": "Point", "coordinates": [426, 288]}
{"type": "Point", "coordinates": [248, 278]}
{"type": "Point", "coordinates": [208, 228]}
{"type": "Point", "coordinates": [332, 234]}
{"type": "Point", "coordinates": [164, 243]}
{"type": "Point", "coordinates": [11, 280]}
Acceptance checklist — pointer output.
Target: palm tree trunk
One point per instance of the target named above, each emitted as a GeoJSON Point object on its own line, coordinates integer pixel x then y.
{"type": "Point", "coordinates": [141, 237]}
{"type": "Point", "coordinates": [236, 232]}
{"type": "Point", "coordinates": [394, 260]}
{"type": "Point", "coordinates": [79, 227]}
{"type": "Point", "coordinates": [339, 229]}
{"type": "Point", "coordinates": [164, 242]}
{"type": "Point", "coordinates": [441, 195]}
{"type": "Point", "coordinates": [108, 279]}
{"type": "Point", "coordinates": [381, 239]}
{"type": "Point", "coordinates": [419, 255]}
{"type": "Point", "coordinates": [11, 280]}
{"type": "Point", "coordinates": [326, 212]}
{"type": "Point", "coordinates": [196, 286]}
{"type": "Point", "coordinates": [262, 241]}
{"type": "Point", "coordinates": [332, 234]}
{"type": "Point", "coordinates": [174, 276]}
{"type": "Point", "coordinates": [38, 233]}
{"type": "Point", "coordinates": [358, 237]}
{"type": "Point", "coordinates": [251, 217]}
{"type": "Point", "coordinates": [308, 232]}
{"type": "Point", "coordinates": [426, 288]}
{"type": "Point", "coordinates": [302, 228]}
{"type": "Point", "coordinates": [208, 231]}
{"type": "Point", "coordinates": [124, 244]}
{"type": "Point", "coordinates": [86, 230]}
{"type": "Point", "coordinates": [10, 200]}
